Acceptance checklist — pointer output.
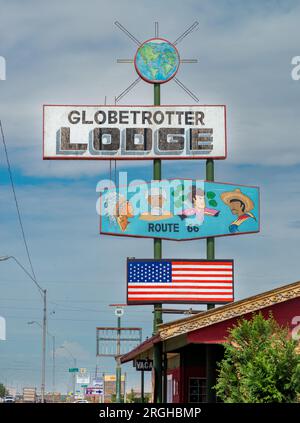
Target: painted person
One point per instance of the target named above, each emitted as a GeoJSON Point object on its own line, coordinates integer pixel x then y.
{"type": "Point", "coordinates": [196, 198]}
{"type": "Point", "coordinates": [240, 205]}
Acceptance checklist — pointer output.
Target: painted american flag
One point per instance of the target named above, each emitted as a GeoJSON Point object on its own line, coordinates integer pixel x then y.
{"type": "Point", "coordinates": [179, 281]}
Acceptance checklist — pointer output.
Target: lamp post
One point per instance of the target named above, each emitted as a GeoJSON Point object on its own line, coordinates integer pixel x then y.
{"type": "Point", "coordinates": [75, 365]}
{"type": "Point", "coordinates": [44, 327]}
{"type": "Point", "coordinates": [53, 355]}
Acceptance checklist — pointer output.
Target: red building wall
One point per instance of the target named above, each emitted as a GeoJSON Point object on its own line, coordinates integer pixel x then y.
{"type": "Point", "coordinates": [214, 334]}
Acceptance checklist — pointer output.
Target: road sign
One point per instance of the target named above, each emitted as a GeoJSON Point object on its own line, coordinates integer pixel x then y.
{"type": "Point", "coordinates": [82, 379]}
{"type": "Point", "coordinates": [145, 365]}
{"type": "Point", "coordinates": [119, 312]}
{"type": "Point", "coordinates": [134, 132]}
{"type": "Point", "coordinates": [185, 281]}
{"type": "Point", "coordinates": [97, 382]}
{"type": "Point", "coordinates": [180, 209]}
{"type": "Point", "coordinates": [93, 391]}
{"type": "Point", "coordinates": [73, 370]}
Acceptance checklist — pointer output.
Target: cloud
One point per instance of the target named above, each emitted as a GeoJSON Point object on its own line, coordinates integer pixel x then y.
{"type": "Point", "coordinates": [244, 63]}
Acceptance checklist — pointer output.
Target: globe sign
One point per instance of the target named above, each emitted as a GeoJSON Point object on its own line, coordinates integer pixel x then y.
{"type": "Point", "coordinates": [157, 61]}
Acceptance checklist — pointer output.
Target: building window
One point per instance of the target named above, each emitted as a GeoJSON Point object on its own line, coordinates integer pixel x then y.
{"type": "Point", "coordinates": [197, 389]}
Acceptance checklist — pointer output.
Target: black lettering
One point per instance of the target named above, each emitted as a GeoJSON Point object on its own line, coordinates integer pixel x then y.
{"type": "Point", "coordinates": [199, 118]}
{"type": "Point", "coordinates": [163, 227]}
{"type": "Point", "coordinates": [134, 113]}
{"type": "Point", "coordinates": [123, 117]}
{"type": "Point", "coordinates": [84, 121]}
{"type": "Point", "coordinates": [146, 116]}
{"type": "Point", "coordinates": [155, 117]}
{"type": "Point", "coordinates": [189, 118]}
{"type": "Point", "coordinates": [76, 118]}
{"type": "Point", "coordinates": [97, 115]}
{"type": "Point", "coordinates": [169, 114]}
{"type": "Point", "coordinates": [112, 116]}
{"type": "Point", "coordinates": [179, 114]}
{"type": "Point", "coordinates": [150, 227]}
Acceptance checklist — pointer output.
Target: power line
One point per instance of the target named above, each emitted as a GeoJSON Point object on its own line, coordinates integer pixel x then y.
{"type": "Point", "coordinates": [16, 200]}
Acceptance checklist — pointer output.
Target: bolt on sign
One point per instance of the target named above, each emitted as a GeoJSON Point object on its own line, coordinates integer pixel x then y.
{"type": "Point", "coordinates": [183, 281]}
{"type": "Point", "coordinates": [134, 132]}
{"type": "Point", "coordinates": [180, 209]}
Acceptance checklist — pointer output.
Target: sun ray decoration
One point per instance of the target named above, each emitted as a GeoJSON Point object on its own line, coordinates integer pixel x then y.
{"type": "Point", "coordinates": [163, 50]}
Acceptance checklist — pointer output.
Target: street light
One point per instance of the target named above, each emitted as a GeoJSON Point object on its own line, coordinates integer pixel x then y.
{"type": "Point", "coordinates": [44, 332]}
{"type": "Point", "coordinates": [53, 354]}
{"type": "Point", "coordinates": [75, 365]}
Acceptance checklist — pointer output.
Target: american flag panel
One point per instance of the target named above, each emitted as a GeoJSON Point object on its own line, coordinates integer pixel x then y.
{"type": "Point", "coordinates": [179, 281]}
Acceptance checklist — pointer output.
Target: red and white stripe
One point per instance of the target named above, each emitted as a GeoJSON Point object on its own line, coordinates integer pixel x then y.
{"type": "Point", "coordinates": [193, 281]}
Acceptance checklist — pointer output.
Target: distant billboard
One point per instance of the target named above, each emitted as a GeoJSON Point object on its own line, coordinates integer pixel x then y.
{"type": "Point", "coordinates": [183, 281]}
{"type": "Point", "coordinates": [180, 209]}
{"type": "Point", "coordinates": [134, 132]}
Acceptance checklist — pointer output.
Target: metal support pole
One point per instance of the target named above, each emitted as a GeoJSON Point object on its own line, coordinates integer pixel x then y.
{"type": "Point", "coordinates": [74, 378]}
{"type": "Point", "coordinates": [118, 363]}
{"type": "Point", "coordinates": [142, 386]}
{"type": "Point", "coordinates": [157, 314]}
{"type": "Point", "coordinates": [210, 242]}
{"type": "Point", "coordinates": [53, 368]}
{"type": "Point", "coordinates": [210, 254]}
{"type": "Point", "coordinates": [44, 346]}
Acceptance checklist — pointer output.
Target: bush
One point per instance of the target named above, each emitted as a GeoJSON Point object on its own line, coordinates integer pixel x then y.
{"type": "Point", "coordinates": [260, 364]}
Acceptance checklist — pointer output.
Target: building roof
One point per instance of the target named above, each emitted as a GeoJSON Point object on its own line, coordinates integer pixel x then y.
{"type": "Point", "coordinates": [204, 319]}
{"type": "Point", "coordinates": [229, 311]}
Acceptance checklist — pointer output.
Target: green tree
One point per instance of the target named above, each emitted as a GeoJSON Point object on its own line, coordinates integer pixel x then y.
{"type": "Point", "coordinates": [3, 390]}
{"type": "Point", "coordinates": [260, 364]}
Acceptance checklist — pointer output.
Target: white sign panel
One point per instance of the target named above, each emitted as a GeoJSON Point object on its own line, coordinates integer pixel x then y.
{"type": "Point", "coordinates": [134, 132]}
{"type": "Point", "coordinates": [83, 379]}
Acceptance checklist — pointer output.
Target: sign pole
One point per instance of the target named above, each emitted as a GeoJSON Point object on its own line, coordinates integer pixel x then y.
{"type": "Point", "coordinates": [157, 313]}
{"type": "Point", "coordinates": [210, 241]}
{"type": "Point", "coordinates": [118, 364]}
{"type": "Point", "coordinates": [142, 386]}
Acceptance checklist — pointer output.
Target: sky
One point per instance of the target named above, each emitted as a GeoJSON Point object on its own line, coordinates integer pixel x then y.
{"type": "Point", "coordinates": [65, 53]}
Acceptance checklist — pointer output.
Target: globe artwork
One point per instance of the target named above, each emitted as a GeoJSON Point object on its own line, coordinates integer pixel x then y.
{"type": "Point", "coordinates": [157, 61]}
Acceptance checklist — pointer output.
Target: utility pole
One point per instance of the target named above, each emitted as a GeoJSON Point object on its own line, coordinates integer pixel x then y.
{"type": "Point", "coordinates": [118, 363]}
{"type": "Point", "coordinates": [44, 295]}
{"type": "Point", "coordinates": [53, 367]}
{"type": "Point", "coordinates": [53, 354]}
{"type": "Point", "coordinates": [44, 344]}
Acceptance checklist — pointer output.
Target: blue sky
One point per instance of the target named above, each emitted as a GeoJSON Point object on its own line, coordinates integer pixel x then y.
{"type": "Point", "coordinates": [65, 52]}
